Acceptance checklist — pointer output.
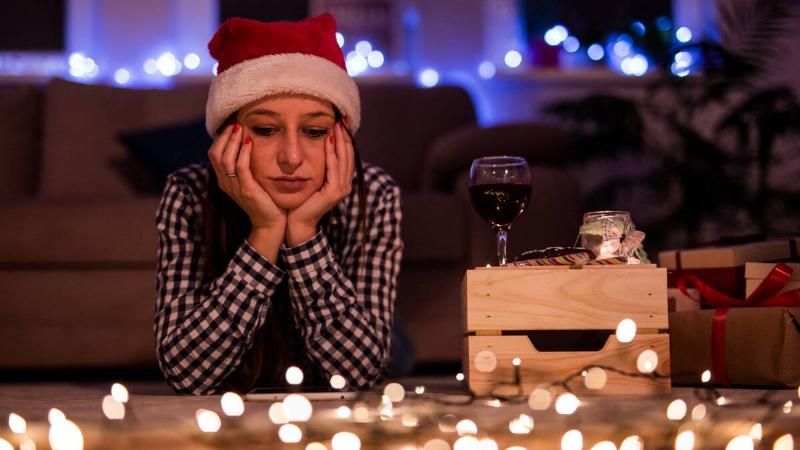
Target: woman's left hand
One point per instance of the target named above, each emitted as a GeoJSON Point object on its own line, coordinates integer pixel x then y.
{"type": "Point", "coordinates": [301, 224]}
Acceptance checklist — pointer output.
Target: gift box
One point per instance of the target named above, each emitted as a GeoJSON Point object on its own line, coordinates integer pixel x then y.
{"type": "Point", "coordinates": [556, 320]}
{"type": "Point", "coordinates": [678, 301]}
{"type": "Point", "coordinates": [722, 268]}
{"type": "Point", "coordinates": [755, 273]}
{"type": "Point", "coordinates": [758, 346]}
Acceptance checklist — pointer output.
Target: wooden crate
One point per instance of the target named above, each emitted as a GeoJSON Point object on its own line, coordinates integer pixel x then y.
{"type": "Point", "coordinates": [507, 309]}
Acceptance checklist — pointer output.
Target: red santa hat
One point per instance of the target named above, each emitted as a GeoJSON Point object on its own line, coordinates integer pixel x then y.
{"type": "Point", "coordinates": [257, 59]}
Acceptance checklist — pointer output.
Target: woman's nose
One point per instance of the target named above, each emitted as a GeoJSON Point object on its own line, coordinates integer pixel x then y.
{"type": "Point", "coordinates": [291, 155]}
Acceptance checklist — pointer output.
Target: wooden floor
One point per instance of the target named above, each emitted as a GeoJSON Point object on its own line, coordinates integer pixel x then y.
{"type": "Point", "coordinates": [156, 418]}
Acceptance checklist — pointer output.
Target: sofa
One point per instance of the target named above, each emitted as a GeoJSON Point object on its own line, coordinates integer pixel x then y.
{"type": "Point", "coordinates": [77, 236]}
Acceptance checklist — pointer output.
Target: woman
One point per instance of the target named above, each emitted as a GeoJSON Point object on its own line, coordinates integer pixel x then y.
{"type": "Point", "coordinates": [282, 250]}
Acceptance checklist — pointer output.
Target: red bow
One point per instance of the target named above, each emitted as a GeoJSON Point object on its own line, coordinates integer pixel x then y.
{"type": "Point", "coordinates": [765, 295]}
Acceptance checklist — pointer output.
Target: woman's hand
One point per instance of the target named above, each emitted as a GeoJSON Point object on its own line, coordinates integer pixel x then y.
{"type": "Point", "coordinates": [339, 165]}
{"type": "Point", "coordinates": [231, 162]}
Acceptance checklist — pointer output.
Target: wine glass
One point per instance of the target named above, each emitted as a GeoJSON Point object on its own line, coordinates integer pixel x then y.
{"type": "Point", "coordinates": [500, 188]}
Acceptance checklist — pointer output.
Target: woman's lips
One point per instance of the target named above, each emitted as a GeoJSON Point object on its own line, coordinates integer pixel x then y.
{"type": "Point", "coordinates": [290, 184]}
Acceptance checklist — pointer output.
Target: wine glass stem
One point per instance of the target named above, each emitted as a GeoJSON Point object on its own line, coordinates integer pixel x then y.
{"type": "Point", "coordinates": [502, 237]}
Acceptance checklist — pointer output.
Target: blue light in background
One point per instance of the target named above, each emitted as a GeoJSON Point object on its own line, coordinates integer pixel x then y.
{"type": "Point", "coordinates": [375, 59]}
{"type": "Point", "coordinates": [428, 78]}
{"type": "Point", "coordinates": [638, 27]}
{"type": "Point", "coordinates": [634, 65]}
{"type": "Point", "coordinates": [663, 23]}
{"type": "Point", "coordinates": [487, 70]}
{"type": "Point", "coordinates": [596, 52]}
{"type": "Point", "coordinates": [683, 34]}
{"type": "Point", "coordinates": [150, 66]}
{"type": "Point", "coordinates": [513, 59]}
{"type": "Point", "coordinates": [122, 76]}
{"type": "Point", "coordinates": [363, 48]}
{"type": "Point", "coordinates": [571, 44]}
{"type": "Point", "coordinates": [622, 48]}
{"type": "Point", "coordinates": [191, 61]}
{"type": "Point", "coordinates": [556, 35]}
{"type": "Point", "coordinates": [340, 39]}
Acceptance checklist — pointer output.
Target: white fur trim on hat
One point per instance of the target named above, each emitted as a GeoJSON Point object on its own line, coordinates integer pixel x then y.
{"type": "Point", "coordinates": [291, 73]}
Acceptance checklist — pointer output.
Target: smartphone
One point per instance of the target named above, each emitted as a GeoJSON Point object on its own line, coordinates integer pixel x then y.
{"type": "Point", "coordinates": [309, 392]}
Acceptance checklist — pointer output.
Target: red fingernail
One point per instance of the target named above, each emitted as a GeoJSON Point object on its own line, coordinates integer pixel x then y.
{"type": "Point", "coordinates": [248, 140]}
{"type": "Point", "coordinates": [236, 127]}
{"type": "Point", "coordinates": [330, 139]}
{"type": "Point", "coordinates": [345, 119]}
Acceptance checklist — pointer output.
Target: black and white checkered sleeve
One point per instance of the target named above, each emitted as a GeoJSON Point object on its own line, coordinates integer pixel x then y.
{"type": "Point", "coordinates": [346, 310]}
{"type": "Point", "coordinates": [203, 329]}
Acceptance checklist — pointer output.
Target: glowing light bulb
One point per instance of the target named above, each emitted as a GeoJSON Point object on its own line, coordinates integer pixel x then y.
{"type": "Point", "coordinates": [167, 64]}
{"type": "Point", "coordinates": [647, 361]}
{"type": "Point", "coordinates": [232, 404]}
{"type": "Point", "coordinates": [571, 44]}
{"type": "Point", "coordinates": [297, 408]}
{"type": "Point", "coordinates": [487, 70]}
{"type": "Point", "coordinates": [513, 59]}
{"type": "Point", "coordinates": [361, 413]}
{"type": "Point", "coordinates": [429, 78]}
{"type": "Point", "coordinates": [722, 401]}
{"type": "Point", "coordinates": [191, 61]}
{"type": "Point", "coordinates": [621, 48]}
{"type": "Point", "coordinates": [294, 375]}
{"type": "Point", "coordinates": [27, 444]}
{"type": "Point", "coordinates": [485, 361]}
{"type": "Point", "coordinates": [740, 443]}
{"type": "Point", "coordinates": [340, 39]}
{"type": "Point", "coordinates": [276, 414]}
{"type": "Point", "coordinates": [632, 443]}
{"type": "Point", "coordinates": [626, 330]}
{"type": "Point", "coordinates": [386, 408]}
{"type": "Point", "coordinates": [466, 443]}
{"type": "Point", "coordinates": [596, 378]}
{"type": "Point", "coordinates": [395, 391]}
{"type": "Point", "coordinates": [113, 409]}
{"type": "Point", "coordinates": [410, 420]}
{"type": "Point", "coordinates": [122, 76]}
{"type": "Point", "coordinates": [572, 440]}
{"type": "Point", "coordinates": [436, 444]}
{"type": "Point", "coordinates": [363, 48]}
{"type": "Point", "coordinates": [316, 446]}
{"type": "Point", "coordinates": [540, 399]}
{"type": "Point", "coordinates": [595, 52]}
{"type": "Point", "coordinates": [343, 412]}
{"type": "Point", "coordinates": [604, 445]}
{"type": "Point", "coordinates": [683, 34]}
{"type": "Point", "coordinates": [55, 415]}
{"type": "Point", "coordinates": [17, 424]}
{"type": "Point", "coordinates": [706, 376]}
{"type": "Point", "coordinates": [556, 35]}
{"type": "Point", "coordinates": [567, 404]}
{"type": "Point", "coordinates": [290, 433]}
{"type": "Point", "coordinates": [207, 421]}
{"type": "Point", "coordinates": [522, 424]}
{"type": "Point", "coordinates": [119, 392]}
{"type": "Point", "coordinates": [756, 432]}
{"type": "Point", "coordinates": [65, 435]}
{"type": "Point", "coordinates": [5, 445]}
{"type": "Point", "coordinates": [785, 442]}
{"type": "Point", "coordinates": [460, 376]}
{"type": "Point", "coordinates": [676, 410]}
{"type": "Point", "coordinates": [787, 407]}
{"type": "Point", "coordinates": [345, 441]}
{"type": "Point", "coordinates": [699, 412]}
{"type": "Point", "coordinates": [338, 382]}
{"type": "Point", "coordinates": [447, 424]}
{"type": "Point", "coordinates": [516, 362]}
{"type": "Point", "coordinates": [684, 441]}
{"type": "Point", "coordinates": [419, 390]}
{"type": "Point", "coordinates": [150, 66]}
{"type": "Point", "coordinates": [375, 59]}
{"type": "Point", "coordinates": [465, 427]}
{"type": "Point", "coordinates": [487, 444]}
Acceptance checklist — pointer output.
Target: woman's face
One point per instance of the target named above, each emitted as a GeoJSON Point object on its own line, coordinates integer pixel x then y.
{"type": "Point", "coordinates": [288, 158]}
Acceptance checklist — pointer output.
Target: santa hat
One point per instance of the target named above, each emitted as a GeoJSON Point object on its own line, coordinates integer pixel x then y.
{"type": "Point", "coordinates": [257, 59]}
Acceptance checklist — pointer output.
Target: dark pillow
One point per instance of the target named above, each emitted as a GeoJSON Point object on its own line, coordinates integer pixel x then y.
{"type": "Point", "coordinates": [155, 153]}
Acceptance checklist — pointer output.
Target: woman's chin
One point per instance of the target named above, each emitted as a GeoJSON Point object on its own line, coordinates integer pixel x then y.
{"type": "Point", "coordinates": [289, 202]}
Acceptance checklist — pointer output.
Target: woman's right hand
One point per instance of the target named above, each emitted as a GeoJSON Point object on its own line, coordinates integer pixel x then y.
{"type": "Point", "coordinates": [230, 159]}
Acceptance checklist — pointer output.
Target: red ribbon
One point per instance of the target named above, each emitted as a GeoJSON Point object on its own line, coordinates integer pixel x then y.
{"type": "Point", "coordinates": [765, 295]}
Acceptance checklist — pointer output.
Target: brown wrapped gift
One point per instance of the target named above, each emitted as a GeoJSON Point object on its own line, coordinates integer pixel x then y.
{"type": "Point", "coordinates": [761, 346]}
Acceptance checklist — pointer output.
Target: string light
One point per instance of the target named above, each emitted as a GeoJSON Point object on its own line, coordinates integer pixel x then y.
{"type": "Point", "coordinates": [5, 445]}
{"type": "Point", "coordinates": [395, 391]}
{"type": "Point", "coordinates": [540, 399]}
{"type": "Point", "coordinates": [706, 376]}
{"type": "Point", "coordinates": [436, 444]}
{"type": "Point", "coordinates": [409, 420]}
{"type": "Point", "coordinates": [685, 440]}
{"type": "Point", "coordinates": [595, 52]}
{"type": "Point", "coordinates": [316, 446]}
{"type": "Point", "coordinates": [345, 440]}
{"type": "Point", "coordinates": [604, 445]}
{"type": "Point", "coordinates": [460, 376]}
{"type": "Point", "coordinates": [487, 444]}
{"type": "Point", "coordinates": [756, 432]}
{"type": "Point", "coordinates": [626, 330]}
{"type": "Point", "coordinates": [338, 382]}
{"type": "Point", "coordinates": [27, 444]}
{"type": "Point", "coordinates": [54, 416]}
{"type": "Point", "coordinates": [722, 401]}
{"type": "Point", "coordinates": [632, 443]}
{"type": "Point", "coordinates": [113, 409]}
{"type": "Point", "coordinates": [447, 424]}
{"type": "Point", "coordinates": [17, 424]}
{"type": "Point", "coordinates": [647, 361]}
{"type": "Point", "coordinates": [207, 421]}
{"type": "Point", "coordinates": [232, 404]}
{"type": "Point", "coordinates": [787, 407]}
{"type": "Point", "coordinates": [361, 413]}
{"type": "Point", "coordinates": [740, 443]}
{"type": "Point", "coordinates": [428, 78]}
{"type": "Point", "coordinates": [522, 424]}
{"type": "Point", "coordinates": [556, 35]}
{"type": "Point", "coordinates": [465, 427]}
{"type": "Point", "coordinates": [595, 378]}
{"type": "Point", "coordinates": [676, 410]}
{"type": "Point", "coordinates": [487, 70]}
{"type": "Point", "coordinates": [516, 362]}
{"type": "Point", "coordinates": [785, 442]}
{"type": "Point", "coordinates": [276, 414]}
{"type": "Point", "coordinates": [290, 433]}
{"type": "Point", "coordinates": [297, 408]}
{"type": "Point", "coordinates": [572, 440]}
{"type": "Point", "coordinates": [683, 34]}
{"type": "Point", "coordinates": [466, 443]}
{"type": "Point", "coordinates": [65, 435]}
{"type": "Point", "coordinates": [340, 39]}
{"type": "Point", "coordinates": [343, 412]}
{"type": "Point", "coordinates": [419, 390]}
{"type": "Point", "coordinates": [567, 404]}
{"type": "Point", "coordinates": [513, 59]}
{"type": "Point", "coordinates": [485, 361]}
{"type": "Point", "coordinates": [699, 412]}
{"type": "Point", "coordinates": [294, 375]}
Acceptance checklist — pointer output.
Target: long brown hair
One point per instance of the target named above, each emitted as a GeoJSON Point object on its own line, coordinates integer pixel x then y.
{"type": "Point", "coordinates": [226, 226]}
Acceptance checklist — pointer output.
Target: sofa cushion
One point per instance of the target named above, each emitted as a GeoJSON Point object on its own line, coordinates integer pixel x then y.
{"type": "Point", "coordinates": [20, 132]}
{"type": "Point", "coordinates": [95, 233]}
{"type": "Point", "coordinates": [82, 123]}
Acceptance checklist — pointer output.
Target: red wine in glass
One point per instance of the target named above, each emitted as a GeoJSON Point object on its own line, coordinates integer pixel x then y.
{"type": "Point", "coordinates": [500, 189]}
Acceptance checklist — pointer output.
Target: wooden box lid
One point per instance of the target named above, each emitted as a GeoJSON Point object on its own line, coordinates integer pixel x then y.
{"type": "Point", "coordinates": [564, 298]}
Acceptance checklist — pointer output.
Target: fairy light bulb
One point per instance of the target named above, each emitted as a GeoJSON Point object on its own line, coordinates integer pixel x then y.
{"type": "Point", "coordinates": [232, 404]}
{"type": "Point", "coordinates": [465, 427]}
{"type": "Point", "coordinates": [436, 444]}
{"type": "Point", "coordinates": [27, 444]}
{"type": "Point", "coordinates": [276, 414]}
{"type": "Point", "coordinates": [604, 445]}
{"type": "Point", "coordinates": [345, 440]}
{"type": "Point", "coordinates": [343, 412]}
{"type": "Point", "coordinates": [522, 424]}
{"type": "Point", "coordinates": [516, 362]}
{"type": "Point", "coordinates": [338, 382]}
{"type": "Point", "coordinates": [447, 424]}
{"type": "Point", "coordinates": [467, 443]}
{"type": "Point", "coordinates": [626, 330]}
{"type": "Point", "coordinates": [485, 361]}
{"type": "Point", "coordinates": [460, 376]}
{"type": "Point", "coordinates": [5, 445]}
{"type": "Point", "coordinates": [722, 401]}
{"type": "Point", "coordinates": [54, 415]}
{"type": "Point", "coordinates": [787, 407]}
{"type": "Point", "coordinates": [386, 408]}
{"type": "Point", "coordinates": [361, 413]}
{"type": "Point", "coordinates": [706, 376]}
{"type": "Point", "coordinates": [207, 421]}
{"type": "Point", "coordinates": [17, 424]}
{"type": "Point", "coordinates": [632, 443]}
{"type": "Point", "coordinates": [395, 391]}
{"type": "Point", "coordinates": [572, 440]}
{"type": "Point", "coordinates": [540, 399]}
{"type": "Point", "coordinates": [65, 435]}
{"type": "Point", "coordinates": [294, 375]}
{"type": "Point", "coordinates": [676, 410]}
{"type": "Point", "coordinates": [756, 432]}
{"type": "Point", "coordinates": [297, 408]}
{"type": "Point", "coordinates": [647, 361]}
{"type": "Point", "coordinates": [119, 392]}
{"type": "Point", "coordinates": [684, 441]}
{"type": "Point", "coordinates": [596, 378]}
{"type": "Point", "coordinates": [113, 409]}
{"type": "Point", "coordinates": [699, 412]}
{"type": "Point", "coordinates": [419, 390]}
{"type": "Point", "coordinates": [785, 442]}
{"type": "Point", "coordinates": [741, 442]}
{"type": "Point", "coordinates": [567, 404]}
{"type": "Point", "coordinates": [487, 444]}
{"type": "Point", "coordinates": [410, 420]}
{"type": "Point", "coordinates": [290, 433]}
{"type": "Point", "coordinates": [316, 446]}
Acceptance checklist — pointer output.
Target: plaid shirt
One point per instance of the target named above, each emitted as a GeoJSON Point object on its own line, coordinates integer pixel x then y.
{"type": "Point", "coordinates": [342, 291]}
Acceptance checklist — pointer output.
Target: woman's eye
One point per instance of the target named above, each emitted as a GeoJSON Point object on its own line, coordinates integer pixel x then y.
{"type": "Point", "coordinates": [316, 132]}
{"type": "Point", "coordinates": [263, 131]}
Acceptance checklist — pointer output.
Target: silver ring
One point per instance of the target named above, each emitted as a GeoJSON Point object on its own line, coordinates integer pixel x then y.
{"type": "Point", "coordinates": [231, 175]}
